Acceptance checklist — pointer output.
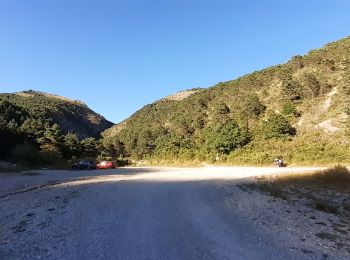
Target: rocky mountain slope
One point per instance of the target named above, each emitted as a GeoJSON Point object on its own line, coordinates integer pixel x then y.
{"type": "Point", "coordinates": [298, 110]}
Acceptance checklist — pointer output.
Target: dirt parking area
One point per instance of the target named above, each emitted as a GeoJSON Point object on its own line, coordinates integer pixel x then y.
{"type": "Point", "coordinates": [159, 213]}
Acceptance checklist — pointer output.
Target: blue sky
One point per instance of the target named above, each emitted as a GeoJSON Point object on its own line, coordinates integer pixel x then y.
{"type": "Point", "coordinates": [117, 56]}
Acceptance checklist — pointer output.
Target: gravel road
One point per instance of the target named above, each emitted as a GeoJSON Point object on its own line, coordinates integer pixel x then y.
{"type": "Point", "coordinates": [132, 213]}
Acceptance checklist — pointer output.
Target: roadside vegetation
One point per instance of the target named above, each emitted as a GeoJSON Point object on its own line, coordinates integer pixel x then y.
{"type": "Point", "coordinates": [316, 205]}
{"type": "Point", "coordinates": [337, 177]}
{"type": "Point", "coordinates": [325, 190]}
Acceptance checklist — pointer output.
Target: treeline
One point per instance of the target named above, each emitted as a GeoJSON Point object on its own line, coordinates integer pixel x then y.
{"type": "Point", "coordinates": [39, 141]}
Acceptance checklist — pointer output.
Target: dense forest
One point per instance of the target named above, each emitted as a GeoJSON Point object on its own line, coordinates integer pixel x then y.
{"type": "Point", "coordinates": [298, 110]}
{"type": "Point", "coordinates": [39, 128]}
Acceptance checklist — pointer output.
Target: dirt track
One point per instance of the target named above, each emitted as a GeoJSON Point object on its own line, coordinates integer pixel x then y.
{"type": "Point", "coordinates": [134, 213]}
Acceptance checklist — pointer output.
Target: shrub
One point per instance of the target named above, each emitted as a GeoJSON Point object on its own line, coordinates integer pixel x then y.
{"type": "Point", "coordinates": [227, 138]}
{"type": "Point", "coordinates": [328, 236]}
{"type": "Point", "coordinates": [122, 162]}
{"type": "Point", "coordinates": [292, 90]}
{"type": "Point", "coordinates": [274, 191]}
{"type": "Point", "coordinates": [277, 126]}
{"type": "Point", "coordinates": [289, 109]}
{"type": "Point", "coordinates": [336, 174]}
{"type": "Point", "coordinates": [296, 62]}
{"type": "Point", "coordinates": [311, 85]}
{"type": "Point", "coordinates": [325, 206]}
{"type": "Point", "coordinates": [252, 106]}
{"type": "Point", "coordinates": [26, 154]}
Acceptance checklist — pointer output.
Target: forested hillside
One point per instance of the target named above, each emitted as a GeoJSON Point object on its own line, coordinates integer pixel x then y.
{"type": "Point", "coordinates": [58, 127]}
{"type": "Point", "coordinates": [298, 110]}
{"type": "Point", "coordinates": [70, 115]}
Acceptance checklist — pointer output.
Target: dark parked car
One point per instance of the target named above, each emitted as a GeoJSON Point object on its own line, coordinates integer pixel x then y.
{"type": "Point", "coordinates": [84, 165]}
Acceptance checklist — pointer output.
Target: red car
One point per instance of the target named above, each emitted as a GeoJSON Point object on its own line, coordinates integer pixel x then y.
{"type": "Point", "coordinates": [105, 165]}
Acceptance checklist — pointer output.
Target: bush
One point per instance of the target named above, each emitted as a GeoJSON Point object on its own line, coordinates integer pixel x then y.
{"type": "Point", "coordinates": [26, 154]}
{"type": "Point", "coordinates": [277, 126]}
{"type": "Point", "coordinates": [122, 162]}
{"type": "Point", "coordinates": [325, 206]}
{"type": "Point", "coordinates": [311, 85]}
{"type": "Point", "coordinates": [296, 62]}
{"type": "Point", "coordinates": [227, 138]}
{"type": "Point", "coordinates": [289, 109]}
{"type": "Point", "coordinates": [292, 90]}
{"type": "Point", "coordinates": [252, 106]}
{"type": "Point", "coordinates": [325, 235]}
{"type": "Point", "coordinates": [336, 174]}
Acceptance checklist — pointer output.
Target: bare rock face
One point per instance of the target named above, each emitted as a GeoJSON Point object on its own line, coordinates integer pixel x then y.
{"type": "Point", "coordinates": [180, 95]}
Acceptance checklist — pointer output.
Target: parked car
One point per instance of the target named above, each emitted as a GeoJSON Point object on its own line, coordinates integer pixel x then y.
{"type": "Point", "coordinates": [84, 165]}
{"type": "Point", "coordinates": [106, 165]}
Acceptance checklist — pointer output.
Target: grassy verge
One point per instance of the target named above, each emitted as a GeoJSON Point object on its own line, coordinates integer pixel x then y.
{"type": "Point", "coordinates": [336, 178]}
{"type": "Point", "coordinates": [326, 190]}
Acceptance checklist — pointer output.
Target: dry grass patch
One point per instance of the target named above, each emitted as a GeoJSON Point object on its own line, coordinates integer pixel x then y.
{"type": "Point", "coordinates": [336, 178]}
{"type": "Point", "coordinates": [315, 202]}
{"type": "Point", "coordinates": [326, 206]}
{"type": "Point", "coordinates": [326, 190]}
{"type": "Point", "coordinates": [325, 235]}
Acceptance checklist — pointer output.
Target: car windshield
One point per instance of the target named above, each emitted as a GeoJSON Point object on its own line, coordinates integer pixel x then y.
{"type": "Point", "coordinates": [85, 162]}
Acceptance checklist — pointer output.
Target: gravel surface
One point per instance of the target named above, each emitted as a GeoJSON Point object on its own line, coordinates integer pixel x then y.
{"type": "Point", "coordinates": [139, 213]}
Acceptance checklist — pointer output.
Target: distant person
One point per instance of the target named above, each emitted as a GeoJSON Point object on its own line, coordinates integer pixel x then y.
{"type": "Point", "coordinates": [279, 162]}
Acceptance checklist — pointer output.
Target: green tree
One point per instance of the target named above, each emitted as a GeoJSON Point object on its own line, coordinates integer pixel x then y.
{"type": "Point", "coordinates": [248, 107]}
{"type": "Point", "coordinates": [12, 126]}
{"type": "Point", "coordinates": [168, 145]}
{"type": "Point", "coordinates": [277, 126]}
{"type": "Point", "coordinates": [34, 128]}
{"type": "Point", "coordinates": [51, 141]}
{"type": "Point", "coordinates": [292, 90]}
{"type": "Point", "coordinates": [26, 154]}
{"type": "Point", "coordinates": [113, 147]}
{"type": "Point", "coordinates": [8, 140]}
{"type": "Point", "coordinates": [311, 85]}
{"type": "Point", "coordinates": [89, 147]}
{"type": "Point", "coordinates": [227, 138]}
{"type": "Point", "coordinates": [220, 113]}
{"type": "Point", "coordinates": [72, 146]}
{"type": "Point", "coordinates": [145, 143]}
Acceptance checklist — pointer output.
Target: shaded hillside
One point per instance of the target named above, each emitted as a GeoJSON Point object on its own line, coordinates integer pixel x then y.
{"type": "Point", "coordinates": [42, 129]}
{"type": "Point", "coordinates": [298, 110]}
{"type": "Point", "coordinates": [70, 115]}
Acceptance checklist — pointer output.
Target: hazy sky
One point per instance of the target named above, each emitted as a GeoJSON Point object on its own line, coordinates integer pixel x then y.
{"type": "Point", "coordinates": [117, 56]}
